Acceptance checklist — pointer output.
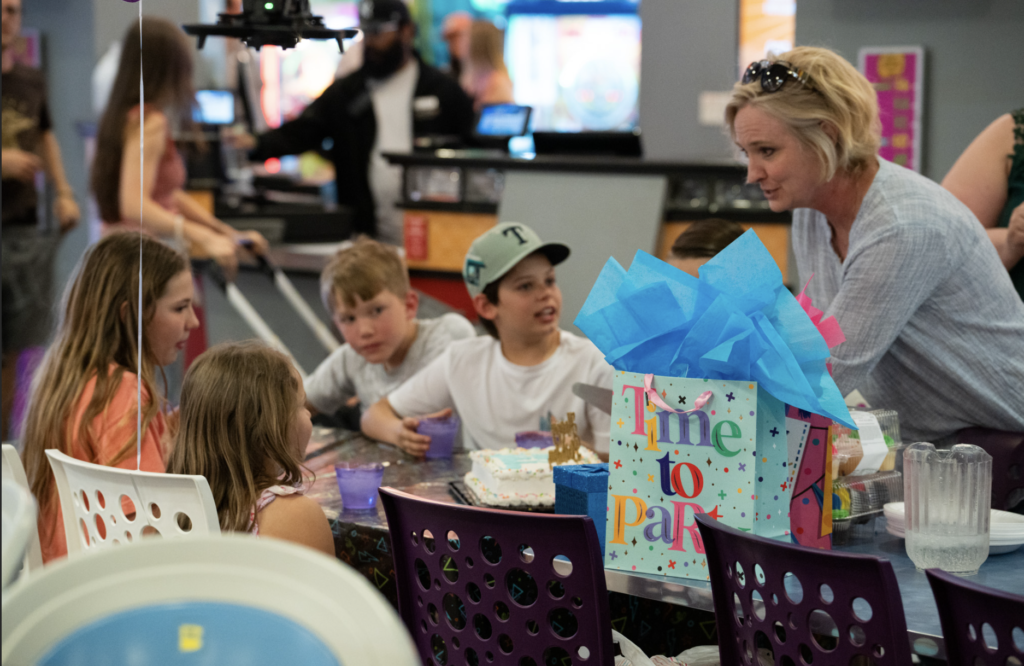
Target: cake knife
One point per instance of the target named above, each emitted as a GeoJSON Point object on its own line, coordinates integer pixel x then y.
{"type": "Point", "coordinates": [594, 395]}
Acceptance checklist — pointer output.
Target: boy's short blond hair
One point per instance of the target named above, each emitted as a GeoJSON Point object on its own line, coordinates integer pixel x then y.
{"type": "Point", "coordinates": [365, 269]}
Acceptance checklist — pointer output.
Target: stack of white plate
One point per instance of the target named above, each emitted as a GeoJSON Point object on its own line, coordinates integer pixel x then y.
{"type": "Point", "coordinates": [1006, 529]}
{"type": "Point", "coordinates": [895, 518]}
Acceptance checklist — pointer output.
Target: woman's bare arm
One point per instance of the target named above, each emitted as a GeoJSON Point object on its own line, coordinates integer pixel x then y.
{"type": "Point", "coordinates": [980, 176]}
{"type": "Point", "coordinates": [136, 196]}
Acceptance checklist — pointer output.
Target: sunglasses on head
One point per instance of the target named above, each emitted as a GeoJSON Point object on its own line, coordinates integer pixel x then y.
{"type": "Point", "coordinates": [775, 74]}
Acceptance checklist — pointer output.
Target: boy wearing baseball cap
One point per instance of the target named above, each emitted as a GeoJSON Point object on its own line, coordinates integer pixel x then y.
{"type": "Point", "coordinates": [513, 379]}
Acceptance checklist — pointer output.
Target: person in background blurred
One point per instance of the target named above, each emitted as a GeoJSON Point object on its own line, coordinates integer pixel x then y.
{"type": "Point", "coordinates": [484, 76]}
{"type": "Point", "coordinates": [989, 178]}
{"type": "Point", "coordinates": [395, 100]}
{"type": "Point", "coordinates": [29, 150]}
{"type": "Point", "coordinates": [700, 242]}
{"type": "Point", "coordinates": [166, 210]}
{"type": "Point", "coordinates": [455, 33]}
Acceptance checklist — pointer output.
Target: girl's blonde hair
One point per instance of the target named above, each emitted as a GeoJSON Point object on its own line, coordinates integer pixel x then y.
{"type": "Point", "coordinates": [487, 46]}
{"type": "Point", "coordinates": [238, 403]}
{"type": "Point", "coordinates": [97, 329]}
{"type": "Point", "coordinates": [837, 95]}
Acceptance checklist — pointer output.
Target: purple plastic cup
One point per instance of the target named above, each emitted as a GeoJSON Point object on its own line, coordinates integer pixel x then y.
{"type": "Point", "coordinates": [442, 432]}
{"type": "Point", "coordinates": [358, 484]}
{"type": "Point", "coordinates": [534, 439]}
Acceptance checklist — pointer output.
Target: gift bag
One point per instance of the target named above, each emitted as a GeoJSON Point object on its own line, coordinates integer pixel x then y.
{"type": "Point", "coordinates": [680, 447]}
{"type": "Point", "coordinates": [705, 366]}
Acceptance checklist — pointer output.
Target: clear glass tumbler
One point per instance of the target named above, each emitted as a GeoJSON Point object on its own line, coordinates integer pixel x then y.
{"type": "Point", "coordinates": [358, 484]}
{"type": "Point", "coordinates": [948, 495]}
{"type": "Point", "coordinates": [442, 432]}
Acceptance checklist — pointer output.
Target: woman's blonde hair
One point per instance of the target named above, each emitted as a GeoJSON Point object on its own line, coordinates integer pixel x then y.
{"type": "Point", "coordinates": [97, 329]}
{"type": "Point", "coordinates": [487, 46]}
{"type": "Point", "coordinates": [238, 403]}
{"type": "Point", "coordinates": [836, 95]}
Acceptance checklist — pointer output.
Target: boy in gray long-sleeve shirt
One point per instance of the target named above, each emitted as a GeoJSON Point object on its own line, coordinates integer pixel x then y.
{"type": "Point", "coordinates": [366, 289]}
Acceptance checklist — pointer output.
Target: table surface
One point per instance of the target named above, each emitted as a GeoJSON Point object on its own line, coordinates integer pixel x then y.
{"type": "Point", "coordinates": [429, 479]}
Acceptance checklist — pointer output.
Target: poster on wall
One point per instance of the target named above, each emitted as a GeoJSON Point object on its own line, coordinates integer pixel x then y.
{"type": "Point", "coordinates": [897, 73]}
{"type": "Point", "coordinates": [766, 27]}
{"type": "Point", "coordinates": [28, 49]}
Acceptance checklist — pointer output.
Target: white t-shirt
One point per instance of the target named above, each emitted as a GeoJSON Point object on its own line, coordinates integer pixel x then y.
{"type": "Point", "coordinates": [345, 373]}
{"type": "Point", "coordinates": [392, 107]}
{"type": "Point", "coordinates": [496, 399]}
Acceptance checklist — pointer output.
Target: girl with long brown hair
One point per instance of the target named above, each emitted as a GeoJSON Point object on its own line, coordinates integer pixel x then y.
{"type": "Point", "coordinates": [84, 397]}
{"type": "Point", "coordinates": [245, 427]}
{"type": "Point", "coordinates": [164, 61]}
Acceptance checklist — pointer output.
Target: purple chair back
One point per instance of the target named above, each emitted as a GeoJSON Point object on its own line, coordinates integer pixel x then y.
{"type": "Point", "coordinates": [478, 586]}
{"type": "Point", "coordinates": [980, 625]}
{"type": "Point", "coordinates": [805, 606]}
{"type": "Point", "coordinates": [1007, 451]}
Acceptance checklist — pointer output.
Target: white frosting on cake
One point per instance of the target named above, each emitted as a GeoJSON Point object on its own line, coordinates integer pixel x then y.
{"type": "Point", "coordinates": [511, 477]}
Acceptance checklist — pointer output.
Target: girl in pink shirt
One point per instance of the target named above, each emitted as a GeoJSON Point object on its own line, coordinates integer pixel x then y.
{"type": "Point", "coordinates": [245, 427]}
{"type": "Point", "coordinates": [123, 191]}
{"type": "Point", "coordinates": [84, 397]}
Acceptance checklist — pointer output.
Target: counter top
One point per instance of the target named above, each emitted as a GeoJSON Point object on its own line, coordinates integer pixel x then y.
{"type": "Point", "coordinates": [494, 159]}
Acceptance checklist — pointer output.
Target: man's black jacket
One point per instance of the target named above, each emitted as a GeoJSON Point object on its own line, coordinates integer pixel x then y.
{"type": "Point", "coordinates": [344, 112]}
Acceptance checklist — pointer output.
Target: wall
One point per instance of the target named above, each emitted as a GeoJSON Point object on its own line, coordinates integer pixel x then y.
{"type": "Point", "coordinates": [67, 29]}
{"type": "Point", "coordinates": [689, 46]}
{"type": "Point", "coordinates": [113, 18]}
{"type": "Point", "coordinates": [973, 55]}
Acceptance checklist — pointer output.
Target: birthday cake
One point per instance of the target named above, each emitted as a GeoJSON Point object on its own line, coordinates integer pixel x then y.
{"type": "Point", "coordinates": [517, 477]}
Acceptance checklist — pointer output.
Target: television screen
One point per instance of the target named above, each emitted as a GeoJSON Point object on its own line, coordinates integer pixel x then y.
{"type": "Point", "coordinates": [214, 107]}
{"type": "Point", "coordinates": [503, 120]}
{"type": "Point", "coordinates": [594, 82]}
{"type": "Point", "coordinates": [292, 78]}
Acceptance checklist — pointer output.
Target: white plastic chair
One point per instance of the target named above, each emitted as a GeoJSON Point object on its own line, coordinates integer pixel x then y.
{"type": "Point", "coordinates": [19, 524]}
{"type": "Point", "coordinates": [107, 505]}
{"type": "Point", "coordinates": [14, 471]}
{"type": "Point", "coordinates": [230, 600]}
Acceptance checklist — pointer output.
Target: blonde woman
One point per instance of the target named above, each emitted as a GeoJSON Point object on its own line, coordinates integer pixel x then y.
{"type": "Point", "coordinates": [84, 396]}
{"type": "Point", "coordinates": [245, 427]}
{"type": "Point", "coordinates": [485, 77]}
{"type": "Point", "coordinates": [933, 325]}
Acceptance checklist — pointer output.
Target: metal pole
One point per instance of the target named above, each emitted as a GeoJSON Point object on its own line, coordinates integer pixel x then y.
{"type": "Point", "coordinates": [287, 289]}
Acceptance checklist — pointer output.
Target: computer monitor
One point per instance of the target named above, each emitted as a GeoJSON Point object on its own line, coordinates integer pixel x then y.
{"type": "Point", "coordinates": [214, 107]}
{"type": "Point", "coordinates": [503, 121]}
{"type": "Point", "coordinates": [579, 72]}
{"type": "Point", "coordinates": [603, 144]}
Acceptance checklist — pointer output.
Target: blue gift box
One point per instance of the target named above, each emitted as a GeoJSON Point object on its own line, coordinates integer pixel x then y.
{"type": "Point", "coordinates": [583, 490]}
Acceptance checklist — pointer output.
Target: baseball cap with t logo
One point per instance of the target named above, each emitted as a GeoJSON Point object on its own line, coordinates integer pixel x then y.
{"type": "Point", "coordinates": [496, 252]}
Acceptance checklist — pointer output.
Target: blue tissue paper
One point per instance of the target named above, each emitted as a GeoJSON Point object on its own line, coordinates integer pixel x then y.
{"type": "Point", "coordinates": [737, 322]}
